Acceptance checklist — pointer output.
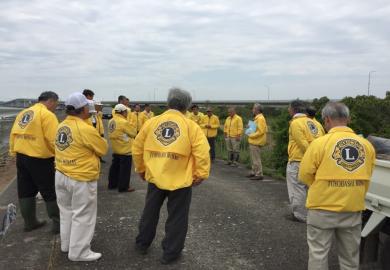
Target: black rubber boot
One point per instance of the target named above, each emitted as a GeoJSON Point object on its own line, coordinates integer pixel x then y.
{"type": "Point", "coordinates": [28, 211]}
{"type": "Point", "coordinates": [54, 213]}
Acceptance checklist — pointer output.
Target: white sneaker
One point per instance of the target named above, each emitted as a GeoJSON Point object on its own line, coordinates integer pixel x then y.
{"type": "Point", "coordinates": [92, 256]}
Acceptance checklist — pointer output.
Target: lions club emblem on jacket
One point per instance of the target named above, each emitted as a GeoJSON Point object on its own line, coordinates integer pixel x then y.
{"type": "Point", "coordinates": [64, 138]}
{"type": "Point", "coordinates": [27, 117]}
{"type": "Point", "coordinates": [312, 127]}
{"type": "Point", "coordinates": [349, 154]}
{"type": "Point", "coordinates": [112, 126]}
{"type": "Point", "coordinates": [167, 133]}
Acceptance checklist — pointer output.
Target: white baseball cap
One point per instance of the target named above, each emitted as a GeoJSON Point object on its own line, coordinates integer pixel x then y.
{"type": "Point", "coordinates": [120, 108]}
{"type": "Point", "coordinates": [98, 103]}
{"type": "Point", "coordinates": [77, 100]}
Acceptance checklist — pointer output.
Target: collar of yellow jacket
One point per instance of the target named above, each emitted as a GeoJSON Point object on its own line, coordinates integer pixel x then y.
{"type": "Point", "coordinates": [121, 116]}
{"type": "Point", "coordinates": [341, 129]}
{"type": "Point", "coordinates": [40, 105]}
{"type": "Point", "coordinates": [76, 118]}
{"type": "Point", "coordinates": [257, 116]}
{"type": "Point", "coordinates": [174, 112]}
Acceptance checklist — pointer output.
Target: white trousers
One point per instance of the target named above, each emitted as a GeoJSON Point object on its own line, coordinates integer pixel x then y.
{"type": "Point", "coordinates": [297, 191]}
{"type": "Point", "coordinates": [77, 202]}
{"type": "Point", "coordinates": [322, 226]}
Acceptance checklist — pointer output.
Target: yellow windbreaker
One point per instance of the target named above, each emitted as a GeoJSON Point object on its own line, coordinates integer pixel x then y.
{"type": "Point", "coordinates": [259, 137]}
{"type": "Point", "coordinates": [129, 114]}
{"type": "Point", "coordinates": [98, 119]}
{"type": "Point", "coordinates": [337, 168]}
{"type": "Point", "coordinates": [233, 126]}
{"type": "Point", "coordinates": [121, 134]}
{"type": "Point", "coordinates": [301, 133]}
{"type": "Point", "coordinates": [137, 120]}
{"type": "Point", "coordinates": [196, 118]}
{"type": "Point", "coordinates": [212, 121]}
{"type": "Point", "coordinates": [145, 117]}
{"type": "Point", "coordinates": [33, 133]}
{"type": "Point", "coordinates": [172, 150]}
{"type": "Point", "coordinates": [78, 147]}
{"type": "Point", "coordinates": [321, 129]}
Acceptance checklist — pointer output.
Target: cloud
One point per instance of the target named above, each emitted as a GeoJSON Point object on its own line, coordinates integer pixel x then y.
{"type": "Point", "coordinates": [219, 49]}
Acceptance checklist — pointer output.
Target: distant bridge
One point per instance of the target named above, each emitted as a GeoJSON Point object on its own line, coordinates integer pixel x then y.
{"type": "Point", "coordinates": [24, 103]}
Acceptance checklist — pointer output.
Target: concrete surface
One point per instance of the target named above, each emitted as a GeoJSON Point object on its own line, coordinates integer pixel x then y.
{"type": "Point", "coordinates": [235, 223]}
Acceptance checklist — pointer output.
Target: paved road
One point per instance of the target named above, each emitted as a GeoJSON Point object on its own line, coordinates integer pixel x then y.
{"type": "Point", "coordinates": [235, 224]}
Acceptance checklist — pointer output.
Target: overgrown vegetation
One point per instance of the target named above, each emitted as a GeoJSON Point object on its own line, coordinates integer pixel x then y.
{"type": "Point", "coordinates": [369, 116]}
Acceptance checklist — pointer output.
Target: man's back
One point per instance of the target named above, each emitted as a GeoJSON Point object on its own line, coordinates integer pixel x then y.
{"type": "Point", "coordinates": [173, 150]}
{"type": "Point", "coordinates": [33, 132]}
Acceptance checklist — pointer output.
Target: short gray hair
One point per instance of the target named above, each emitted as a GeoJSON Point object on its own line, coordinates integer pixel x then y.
{"type": "Point", "coordinates": [335, 111]}
{"type": "Point", "coordinates": [179, 99]}
{"type": "Point", "coordinates": [258, 107]}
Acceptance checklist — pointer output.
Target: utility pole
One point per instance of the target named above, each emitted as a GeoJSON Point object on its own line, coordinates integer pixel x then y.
{"type": "Point", "coordinates": [268, 91]}
{"type": "Point", "coordinates": [369, 81]}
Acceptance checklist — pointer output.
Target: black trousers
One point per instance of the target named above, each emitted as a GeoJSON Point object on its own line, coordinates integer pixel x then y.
{"type": "Point", "coordinates": [35, 175]}
{"type": "Point", "coordinates": [176, 226]}
{"type": "Point", "coordinates": [120, 172]}
{"type": "Point", "coordinates": [212, 147]}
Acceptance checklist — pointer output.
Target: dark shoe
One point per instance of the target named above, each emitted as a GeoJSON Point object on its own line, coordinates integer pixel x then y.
{"type": "Point", "coordinates": [291, 217]}
{"type": "Point", "coordinates": [54, 213]}
{"type": "Point", "coordinates": [128, 190]}
{"type": "Point", "coordinates": [28, 211]}
{"type": "Point", "coordinates": [141, 250]}
{"type": "Point", "coordinates": [166, 261]}
{"type": "Point", "coordinates": [250, 175]}
{"type": "Point", "coordinates": [257, 177]}
{"type": "Point", "coordinates": [228, 163]}
{"type": "Point", "coordinates": [234, 164]}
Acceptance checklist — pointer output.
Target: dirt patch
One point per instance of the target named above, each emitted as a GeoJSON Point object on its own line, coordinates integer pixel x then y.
{"type": "Point", "coordinates": [7, 172]}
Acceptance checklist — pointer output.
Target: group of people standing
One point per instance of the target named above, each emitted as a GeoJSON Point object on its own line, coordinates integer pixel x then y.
{"type": "Point", "coordinates": [327, 174]}
{"type": "Point", "coordinates": [327, 177]}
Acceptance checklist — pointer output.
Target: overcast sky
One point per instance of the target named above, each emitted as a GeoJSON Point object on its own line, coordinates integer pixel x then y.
{"type": "Point", "coordinates": [217, 49]}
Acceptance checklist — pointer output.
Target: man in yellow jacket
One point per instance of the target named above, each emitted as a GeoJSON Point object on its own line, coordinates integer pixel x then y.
{"type": "Point", "coordinates": [301, 133]}
{"type": "Point", "coordinates": [311, 113]}
{"type": "Point", "coordinates": [146, 114]}
{"type": "Point", "coordinates": [256, 140]}
{"type": "Point", "coordinates": [125, 101]}
{"type": "Point", "coordinates": [195, 114]}
{"type": "Point", "coordinates": [233, 130]}
{"type": "Point", "coordinates": [337, 169]}
{"type": "Point", "coordinates": [32, 141]}
{"type": "Point", "coordinates": [172, 154]}
{"type": "Point", "coordinates": [136, 118]}
{"type": "Point", "coordinates": [121, 134]}
{"type": "Point", "coordinates": [94, 119]}
{"type": "Point", "coordinates": [99, 115]}
{"type": "Point", "coordinates": [210, 125]}
{"type": "Point", "coordinates": [78, 147]}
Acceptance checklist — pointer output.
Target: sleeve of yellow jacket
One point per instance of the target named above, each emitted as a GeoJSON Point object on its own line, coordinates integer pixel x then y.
{"type": "Point", "coordinates": [226, 126]}
{"type": "Point", "coordinates": [49, 128]}
{"type": "Point", "coordinates": [215, 124]}
{"type": "Point", "coordinates": [12, 142]}
{"type": "Point", "coordinates": [130, 130]}
{"type": "Point", "coordinates": [200, 152]}
{"type": "Point", "coordinates": [95, 142]}
{"type": "Point", "coordinates": [298, 135]}
{"type": "Point", "coordinates": [240, 126]}
{"type": "Point", "coordinates": [261, 128]}
{"type": "Point", "coordinates": [138, 148]}
{"type": "Point", "coordinates": [310, 162]}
